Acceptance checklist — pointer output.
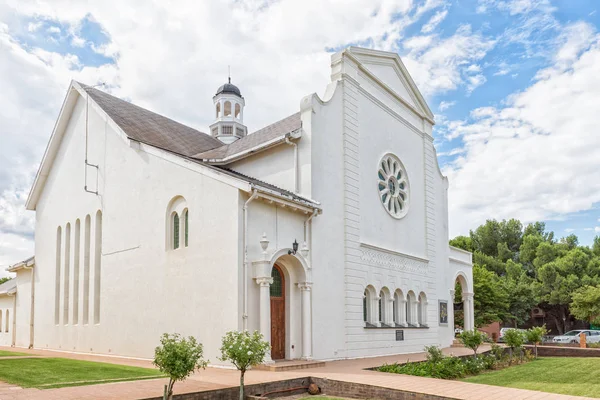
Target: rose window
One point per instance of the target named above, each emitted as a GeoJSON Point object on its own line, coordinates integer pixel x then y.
{"type": "Point", "coordinates": [393, 186]}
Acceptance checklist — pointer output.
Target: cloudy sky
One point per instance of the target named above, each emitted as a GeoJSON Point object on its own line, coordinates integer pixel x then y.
{"type": "Point", "coordinates": [514, 84]}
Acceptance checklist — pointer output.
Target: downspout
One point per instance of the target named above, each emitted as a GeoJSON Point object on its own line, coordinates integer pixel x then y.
{"type": "Point", "coordinates": [14, 318]}
{"type": "Point", "coordinates": [245, 266]}
{"type": "Point", "coordinates": [288, 141]}
{"type": "Point", "coordinates": [32, 305]}
{"type": "Point", "coordinates": [308, 235]}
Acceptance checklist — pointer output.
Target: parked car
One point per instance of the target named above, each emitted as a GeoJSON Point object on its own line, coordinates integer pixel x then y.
{"type": "Point", "coordinates": [503, 331]}
{"type": "Point", "coordinates": [591, 336]}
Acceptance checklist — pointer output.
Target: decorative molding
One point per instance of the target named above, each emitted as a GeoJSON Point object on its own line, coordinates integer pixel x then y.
{"type": "Point", "coordinates": [305, 286]}
{"type": "Point", "coordinates": [387, 258]}
{"type": "Point", "coordinates": [456, 260]}
{"type": "Point", "coordinates": [264, 281]}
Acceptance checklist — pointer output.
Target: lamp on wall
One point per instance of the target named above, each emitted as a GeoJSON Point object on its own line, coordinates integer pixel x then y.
{"type": "Point", "coordinates": [294, 247]}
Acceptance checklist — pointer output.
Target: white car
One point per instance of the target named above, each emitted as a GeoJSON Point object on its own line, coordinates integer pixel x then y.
{"type": "Point", "coordinates": [573, 336]}
{"type": "Point", "coordinates": [503, 331]}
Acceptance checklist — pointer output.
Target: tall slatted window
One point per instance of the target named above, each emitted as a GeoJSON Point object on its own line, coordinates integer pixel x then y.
{"type": "Point", "coordinates": [276, 286]}
{"type": "Point", "coordinates": [185, 221]}
{"type": "Point", "coordinates": [77, 243]}
{"type": "Point", "coordinates": [175, 231]}
{"type": "Point", "coordinates": [7, 321]}
{"type": "Point", "coordinates": [86, 270]}
{"type": "Point", "coordinates": [380, 307]}
{"type": "Point", "coordinates": [57, 276]}
{"type": "Point", "coordinates": [97, 266]}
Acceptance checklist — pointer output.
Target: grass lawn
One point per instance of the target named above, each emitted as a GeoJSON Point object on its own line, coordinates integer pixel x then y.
{"type": "Point", "coordinates": [563, 375]}
{"type": "Point", "coordinates": [12, 354]}
{"type": "Point", "coordinates": [48, 373]}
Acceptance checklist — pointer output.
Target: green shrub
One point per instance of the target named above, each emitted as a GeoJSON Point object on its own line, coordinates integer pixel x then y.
{"type": "Point", "coordinates": [535, 336]}
{"type": "Point", "coordinates": [514, 339]}
{"type": "Point", "coordinates": [434, 354]}
{"type": "Point", "coordinates": [473, 339]}
{"type": "Point", "coordinates": [178, 357]}
{"type": "Point", "coordinates": [593, 345]}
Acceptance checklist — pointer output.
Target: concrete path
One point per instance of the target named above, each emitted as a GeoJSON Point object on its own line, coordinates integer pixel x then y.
{"type": "Point", "coordinates": [215, 378]}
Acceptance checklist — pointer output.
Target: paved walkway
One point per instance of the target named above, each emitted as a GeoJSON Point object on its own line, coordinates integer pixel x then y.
{"type": "Point", "coordinates": [216, 378]}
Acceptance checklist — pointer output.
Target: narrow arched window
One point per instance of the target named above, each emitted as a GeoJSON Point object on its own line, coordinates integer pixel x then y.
{"type": "Point", "coordinates": [0, 321]}
{"type": "Point", "coordinates": [238, 109]}
{"type": "Point", "coordinates": [218, 112]}
{"type": "Point", "coordinates": [380, 307]}
{"type": "Point", "coordinates": [365, 306]}
{"type": "Point", "coordinates": [227, 109]}
{"type": "Point", "coordinates": [186, 228]}
{"type": "Point", "coordinates": [6, 322]}
{"type": "Point", "coordinates": [175, 231]}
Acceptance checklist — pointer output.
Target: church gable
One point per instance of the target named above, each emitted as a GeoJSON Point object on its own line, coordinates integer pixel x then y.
{"type": "Point", "coordinates": [387, 70]}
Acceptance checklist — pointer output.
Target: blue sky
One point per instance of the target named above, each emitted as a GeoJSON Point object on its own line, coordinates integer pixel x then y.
{"type": "Point", "coordinates": [513, 84]}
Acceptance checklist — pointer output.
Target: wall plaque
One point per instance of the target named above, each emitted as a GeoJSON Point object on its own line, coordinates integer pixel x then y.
{"type": "Point", "coordinates": [443, 310]}
{"type": "Point", "coordinates": [399, 335]}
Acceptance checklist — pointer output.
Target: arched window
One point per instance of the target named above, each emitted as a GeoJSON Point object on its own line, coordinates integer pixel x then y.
{"type": "Point", "coordinates": [365, 306]}
{"type": "Point", "coordinates": [175, 231]}
{"type": "Point", "coordinates": [0, 321]}
{"type": "Point", "coordinates": [238, 109]}
{"type": "Point", "coordinates": [185, 228]}
{"type": "Point", "coordinates": [218, 110]}
{"type": "Point", "coordinates": [399, 308]}
{"type": "Point", "coordinates": [380, 306]}
{"type": "Point", "coordinates": [422, 314]}
{"type": "Point", "coordinates": [385, 319]}
{"type": "Point", "coordinates": [371, 306]}
{"type": "Point", "coordinates": [6, 322]}
{"type": "Point", "coordinates": [177, 224]}
{"type": "Point", "coordinates": [227, 108]}
{"type": "Point", "coordinates": [411, 309]}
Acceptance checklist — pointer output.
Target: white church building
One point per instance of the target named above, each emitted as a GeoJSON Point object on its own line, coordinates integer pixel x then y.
{"type": "Point", "coordinates": [327, 231]}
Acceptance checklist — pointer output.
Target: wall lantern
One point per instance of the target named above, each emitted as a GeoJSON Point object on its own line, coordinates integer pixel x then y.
{"type": "Point", "coordinates": [294, 247]}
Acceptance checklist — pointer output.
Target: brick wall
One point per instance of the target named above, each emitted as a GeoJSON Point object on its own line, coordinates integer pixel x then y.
{"type": "Point", "coordinates": [564, 351]}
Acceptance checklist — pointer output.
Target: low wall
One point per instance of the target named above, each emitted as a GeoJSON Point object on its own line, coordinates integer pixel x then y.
{"type": "Point", "coordinates": [328, 387]}
{"type": "Point", "coordinates": [564, 351]}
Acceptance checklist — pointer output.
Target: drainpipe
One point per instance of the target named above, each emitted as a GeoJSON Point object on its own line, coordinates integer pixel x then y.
{"type": "Point", "coordinates": [32, 303]}
{"type": "Point", "coordinates": [288, 141]}
{"type": "Point", "coordinates": [14, 317]}
{"type": "Point", "coordinates": [308, 238]}
{"type": "Point", "coordinates": [245, 266]}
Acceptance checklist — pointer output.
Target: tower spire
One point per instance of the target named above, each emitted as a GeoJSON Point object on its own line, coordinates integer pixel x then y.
{"type": "Point", "coordinates": [229, 73]}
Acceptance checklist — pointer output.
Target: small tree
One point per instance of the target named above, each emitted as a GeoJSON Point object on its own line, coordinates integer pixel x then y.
{"type": "Point", "coordinates": [178, 357]}
{"type": "Point", "coordinates": [586, 304]}
{"type": "Point", "coordinates": [514, 339]}
{"type": "Point", "coordinates": [535, 335]}
{"type": "Point", "coordinates": [473, 339]}
{"type": "Point", "coordinates": [244, 350]}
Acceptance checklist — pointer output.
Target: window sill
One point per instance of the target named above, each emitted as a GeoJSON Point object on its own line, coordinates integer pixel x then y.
{"type": "Point", "coordinates": [370, 326]}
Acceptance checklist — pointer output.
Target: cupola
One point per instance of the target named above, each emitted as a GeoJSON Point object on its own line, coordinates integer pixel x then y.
{"type": "Point", "coordinates": [229, 114]}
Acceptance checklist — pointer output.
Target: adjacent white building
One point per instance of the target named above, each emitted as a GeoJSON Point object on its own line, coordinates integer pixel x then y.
{"type": "Point", "coordinates": [327, 230]}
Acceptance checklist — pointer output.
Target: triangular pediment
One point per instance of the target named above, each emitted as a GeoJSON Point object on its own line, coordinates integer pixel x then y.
{"type": "Point", "coordinates": [389, 71]}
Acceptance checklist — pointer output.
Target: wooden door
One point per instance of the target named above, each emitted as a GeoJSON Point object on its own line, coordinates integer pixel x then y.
{"type": "Point", "coordinates": [277, 314]}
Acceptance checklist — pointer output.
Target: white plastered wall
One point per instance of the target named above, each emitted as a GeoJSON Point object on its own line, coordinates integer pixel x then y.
{"type": "Point", "coordinates": [192, 291]}
{"type": "Point", "coordinates": [6, 305]}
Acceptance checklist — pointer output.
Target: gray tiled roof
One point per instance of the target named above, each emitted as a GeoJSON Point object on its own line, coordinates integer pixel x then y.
{"type": "Point", "coordinates": [273, 131]}
{"type": "Point", "coordinates": [151, 128]}
{"type": "Point", "coordinates": [8, 286]}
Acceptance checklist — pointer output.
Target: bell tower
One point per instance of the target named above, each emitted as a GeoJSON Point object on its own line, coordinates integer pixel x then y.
{"type": "Point", "coordinates": [229, 114]}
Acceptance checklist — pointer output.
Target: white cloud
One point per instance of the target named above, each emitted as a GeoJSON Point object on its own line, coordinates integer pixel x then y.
{"type": "Point", "coordinates": [569, 230]}
{"type": "Point", "coordinates": [444, 105]}
{"type": "Point", "coordinates": [534, 158]}
{"type": "Point", "coordinates": [597, 229]}
{"type": "Point", "coordinates": [434, 21]}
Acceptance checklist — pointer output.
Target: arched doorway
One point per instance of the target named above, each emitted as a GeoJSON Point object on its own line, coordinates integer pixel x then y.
{"type": "Point", "coordinates": [463, 303]}
{"type": "Point", "coordinates": [277, 292]}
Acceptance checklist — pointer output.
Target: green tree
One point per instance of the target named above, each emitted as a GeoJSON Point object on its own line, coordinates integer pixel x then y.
{"type": "Point", "coordinates": [5, 279]}
{"type": "Point", "coordinates": [535, 336]}
{"type": "Point", "coordinates": [514, 339]}
{"type": "Point", "coordinates": [596, 246]}
{"type": "Point", "coordinates": [472, 340]}
{"type": "Point", "coordinates": [490, 263]}
{"type": "Point", "coordinates": [178, 357]}
{"type": "Point", "coordinates": [462, 242]}
{"type": "Point", "coordinates": [585, 304]}
{"type": "Point", "coordinates": [244, 350]}
{"type": "Point", "coordinates": [520, 291]}
{"type": "Point", "coordinates": [490, 301]}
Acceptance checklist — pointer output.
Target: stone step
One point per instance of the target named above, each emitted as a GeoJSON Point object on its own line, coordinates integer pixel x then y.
{"type": "Point", "coordinates": [289, 365]}
{"type": "Point", "coordinates": [456, 343]}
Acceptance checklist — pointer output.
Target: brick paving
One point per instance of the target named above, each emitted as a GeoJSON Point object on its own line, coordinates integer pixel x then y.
{"type": "Point", "coordinates": [216, 378]}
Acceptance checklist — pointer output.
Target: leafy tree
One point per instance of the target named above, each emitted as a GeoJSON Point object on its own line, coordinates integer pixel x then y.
{"type": "Point", "coordinates": [535, 336]}
{"type": "Point", "coordinates": [527, 251]}
{"type": "Point", "coordinates": [490, 263]}
{"type": "Point", "coordinates": [520, 291]}
{"type": "Point", "coordinates": [585, 304]}
{"type": "Point", "coordinates": [178, 357]}
{"type": "Point", "coordinates": [570, 241]}
{"type": "Point", "coordinates": [244, 350]}
{"type": "Point", "coordinates": [5, 279]}
{"type": "Point", "coordinates": [596, 246]}
{"type": "Point", "coordinates": [490, 301]}
{"type": "Point", "coordinates": [462, 242]}
{"type": "Point", "coordinates": [473, 339]}
{"type": "Point", "coordinates": [514, 339]}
